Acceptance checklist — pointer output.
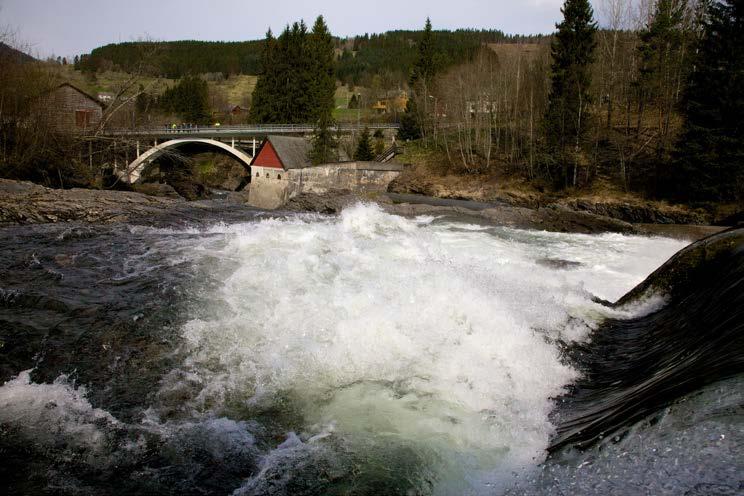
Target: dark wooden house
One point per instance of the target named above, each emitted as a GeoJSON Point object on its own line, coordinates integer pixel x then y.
{"type": "Point", "coordinates": [71, 109]}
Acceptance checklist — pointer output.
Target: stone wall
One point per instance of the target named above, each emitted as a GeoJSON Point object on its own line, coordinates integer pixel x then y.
{"type": "Point", "coordinates": [272, 188]}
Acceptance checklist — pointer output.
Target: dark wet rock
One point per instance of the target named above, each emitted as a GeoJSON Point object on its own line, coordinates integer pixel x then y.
{"type": "Point", "coordinates": [639, 213]}
{"type": "Point", "coordinates": [27, 203]}
{"type": "Point", "coordinates": [554, 218]}
{"type": "Point", "coordinates": [188, 188]}
{"type": "Point", "coordinates": [682, 272]}
{"type": "Point", "coordinates": [735, 219]}
{"type": "Point", "coordinates": [332, 202]}
{"type": "Point", "coordinates": [555, 263]}
{"type": "Point", "coordinates": [157, 189]}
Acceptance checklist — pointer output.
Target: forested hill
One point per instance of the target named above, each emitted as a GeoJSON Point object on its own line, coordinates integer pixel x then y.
{"type": "Point", "coordinates": [389, 55]}
{"type": "Point", "coordinates": [175, 59]}
{"type": "Point", "coordinates": [392, 54]}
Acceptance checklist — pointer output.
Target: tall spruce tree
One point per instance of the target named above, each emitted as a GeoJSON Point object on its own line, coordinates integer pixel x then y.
{"type": "Point", "coordinates": [422, 76]}
{"type": "Point", "coordinates": [710, 151]}
{"type": "Point", "coordinates": [364, 147]}
{"type": "Point", "coordinates": [573, 53]}
{"type": "Point", "coordinates": [322, 67]}
{"type": "Point", "coordinates": [424, 68]}
{"type": "Point", "coordinates": [322, 90]}
{"type": "Point", "coordinates": [263, 107]}
{"type": "Point", "coordinates": [409, 125]}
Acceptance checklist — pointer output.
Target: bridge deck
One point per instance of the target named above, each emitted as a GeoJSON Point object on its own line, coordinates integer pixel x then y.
{"type": "Point", "coordinates": [237, 131]}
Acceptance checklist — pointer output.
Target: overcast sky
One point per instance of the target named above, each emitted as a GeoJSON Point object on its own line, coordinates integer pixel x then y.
{"type": "Point", "coordinates": [68, 27]}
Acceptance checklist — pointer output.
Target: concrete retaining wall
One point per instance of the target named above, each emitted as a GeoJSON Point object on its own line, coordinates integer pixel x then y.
{"type": "Point", "coordinates": [272, 188]}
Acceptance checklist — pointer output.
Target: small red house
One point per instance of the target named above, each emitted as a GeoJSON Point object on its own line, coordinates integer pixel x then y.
{"type": "Point", "coordinates": [283, 152]}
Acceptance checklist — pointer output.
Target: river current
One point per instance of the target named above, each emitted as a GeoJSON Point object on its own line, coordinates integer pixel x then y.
{"type": "Point", "coordinates": [362, 353]}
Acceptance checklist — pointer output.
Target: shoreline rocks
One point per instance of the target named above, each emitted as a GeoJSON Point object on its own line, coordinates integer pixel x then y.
{"type": "Point", "coordinates": [27, 203]}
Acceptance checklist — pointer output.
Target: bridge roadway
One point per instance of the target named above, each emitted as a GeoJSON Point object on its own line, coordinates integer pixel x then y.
{"type": "Point", "coordinates": [239, 131]}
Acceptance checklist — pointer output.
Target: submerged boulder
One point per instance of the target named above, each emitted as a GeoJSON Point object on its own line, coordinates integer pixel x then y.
{"type": "Point", "coordinates": [634, 367]}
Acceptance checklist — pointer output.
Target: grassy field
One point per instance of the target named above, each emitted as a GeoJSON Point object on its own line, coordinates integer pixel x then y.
{"type": "Point", "coordinates": [236, 89]}
{"type": "Point", "coordinates": [342, 112]}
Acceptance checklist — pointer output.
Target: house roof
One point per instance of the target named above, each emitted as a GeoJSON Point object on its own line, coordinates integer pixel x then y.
{"type": "Point", "coordinates": [96, 100]}
{"type": "Point", "coordinates": [293, 152]}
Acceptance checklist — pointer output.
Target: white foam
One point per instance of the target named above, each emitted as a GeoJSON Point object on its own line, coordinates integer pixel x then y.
{"type": "Point", "coordinates": [50, 413]}
{"type": "Point", "coordinates": [431, 335]}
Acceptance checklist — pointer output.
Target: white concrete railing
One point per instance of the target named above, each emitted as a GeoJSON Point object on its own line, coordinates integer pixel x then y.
{"type": "Point", "coordinates": [246, 129]}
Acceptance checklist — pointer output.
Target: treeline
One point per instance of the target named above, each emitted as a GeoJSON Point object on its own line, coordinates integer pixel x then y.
{"type": "Point", "coordinates": [651, 102]}
{"type": "Point", "coordinates": [391, 55]}
{"type": "Point", "coordinates": [175, 59]}
{"type": "Point", "coordinates": [189, 100]}
{"type": "Point", "coordinates": [297, 83]}
{"type": "Point", "coordinates": [360, 58]}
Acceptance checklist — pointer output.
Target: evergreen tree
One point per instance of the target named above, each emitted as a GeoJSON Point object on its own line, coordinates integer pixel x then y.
{"type": "Point", "coordinates": [353, 102]}
{"type": "Point", "coordinates": [189, 99]}
{"type": "Point", "coordinates": [710, 152]}
{"type": "Point", "coordinates": [379, 142]}
{"type": "Point", "coordinates": [322, 88]}
{"type": "Point", "coordinates": [325, 146]}
{"type": "Point", "coordinates": [573, 53]}
{"type": "Point", "coordinates": [424, 68]}
{"type": "Point", "coordinates": [661, 63]}
{"type": "Point", "coordinates": [409, 125]}
{"type": "Point", "coordinates": [364, 148]}
{"type": "Point", "coordinates": [322, 69]}
{"type": "Point", "coordinates": [263, 107]}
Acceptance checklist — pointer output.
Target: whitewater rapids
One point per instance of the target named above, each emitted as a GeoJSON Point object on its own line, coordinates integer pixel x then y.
{"type": "Point", "coordinates": [398, 355]}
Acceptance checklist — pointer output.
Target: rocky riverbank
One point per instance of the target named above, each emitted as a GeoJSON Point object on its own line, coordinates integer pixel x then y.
{"type": "Point", "coordinates": [28, 203]}
{"type": "Point", "coordinates": [23, 202]}
{"type": "Point", "coordinates": [602, 201]}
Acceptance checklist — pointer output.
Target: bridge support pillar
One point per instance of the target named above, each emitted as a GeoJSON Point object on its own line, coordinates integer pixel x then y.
{"type": "Point", "coordinates": [232, 142]}
{"type": "Point", "coordinates": [138, 149]}
{"type": "Point", "coordinates": [253, 154]}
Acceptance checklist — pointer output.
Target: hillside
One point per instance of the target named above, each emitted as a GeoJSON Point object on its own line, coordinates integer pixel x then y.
{"type": "Point", "coordinates": [387, 55]}
{"type": "Point", "coordinates": [175, 59]}
{"type": "Point", "coordinates": [11, 54]}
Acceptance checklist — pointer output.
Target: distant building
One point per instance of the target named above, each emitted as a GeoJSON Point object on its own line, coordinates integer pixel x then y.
{"type": "Point", "coordinates": [106, 97]}
{"type": "Point", "coordinates": [71, 109]}
{"type": "Point", "coordinates": [394, 102]}
{"type": "Point", "coordinates": [231, 114]}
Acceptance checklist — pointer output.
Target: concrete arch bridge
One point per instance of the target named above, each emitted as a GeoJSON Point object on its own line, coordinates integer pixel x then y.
{"type": "Point", "coordinates": [183, 146]}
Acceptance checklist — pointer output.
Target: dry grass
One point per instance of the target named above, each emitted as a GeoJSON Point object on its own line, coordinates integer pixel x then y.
{"type": "Point", "coordinates": [511, 50]}
{"type": "Point", "coordinates": [236, 88]}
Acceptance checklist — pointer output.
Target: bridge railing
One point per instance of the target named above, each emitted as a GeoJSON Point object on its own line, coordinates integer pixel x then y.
{"type": "Point", "coordinates": [258, 129]}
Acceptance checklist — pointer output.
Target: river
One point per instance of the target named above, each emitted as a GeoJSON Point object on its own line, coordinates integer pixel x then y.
{"type": "Point", "coordinates": [363, 353]}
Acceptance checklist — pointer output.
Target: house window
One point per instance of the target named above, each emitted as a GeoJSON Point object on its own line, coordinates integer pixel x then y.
{"type": "Point", "coordinates": [279, 176]}
{"type": "Point", "coordinates": [83, 118]}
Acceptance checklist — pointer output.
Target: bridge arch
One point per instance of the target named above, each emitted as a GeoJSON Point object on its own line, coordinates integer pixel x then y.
{"type": "Point", "coordinates": [134, 170]}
